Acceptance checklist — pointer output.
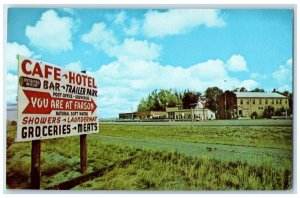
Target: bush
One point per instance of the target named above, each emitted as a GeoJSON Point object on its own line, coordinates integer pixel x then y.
{"type": "Point", "coordinates": [280, 112]}
{"type": "Point", "coordinates": [268, 112]}
{"type": "Point", "coordinates": [254, 115]}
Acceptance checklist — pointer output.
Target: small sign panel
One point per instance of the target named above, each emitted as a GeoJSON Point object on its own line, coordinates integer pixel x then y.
{"type": "Point", "coordinates": [54, 102]}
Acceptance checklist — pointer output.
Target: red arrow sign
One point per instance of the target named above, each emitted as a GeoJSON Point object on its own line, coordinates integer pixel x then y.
{"type": "Point", "coordinates": [43, 103]}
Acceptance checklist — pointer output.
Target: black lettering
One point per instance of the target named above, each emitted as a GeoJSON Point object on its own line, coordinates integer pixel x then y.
{"type": "Point", "coordinates": [30, 132]}
{"type": "Point", "coordinates": [79, 126]}
{"type": "Point", "coordinates": [24, 132]}
{"type": "Point", "coordinates": [44, 131]}
{"type": "Point", "coordinates": [38, 131]}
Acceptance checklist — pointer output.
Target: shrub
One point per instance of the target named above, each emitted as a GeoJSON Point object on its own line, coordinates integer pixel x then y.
{"type": "Point", "coordinates": [268, 112]}
{"type": "Point", "coordinates": [280, 112]}
{"type": "Point", "coordinates": [254, 115]}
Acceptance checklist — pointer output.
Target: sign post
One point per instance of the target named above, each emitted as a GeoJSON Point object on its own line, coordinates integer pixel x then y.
{"type": "Point", "coordinates": [83, 153]}
{"type": "Point", "coordinates": [35, 175]}
{"type": "Point", "coordinates": [83, 150]}
{"type": "Point", "coordinates": [53, 103]}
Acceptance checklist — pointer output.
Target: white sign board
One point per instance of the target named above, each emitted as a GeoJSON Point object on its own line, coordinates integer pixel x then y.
{"type": "Point", "coordinates": [54, 102]}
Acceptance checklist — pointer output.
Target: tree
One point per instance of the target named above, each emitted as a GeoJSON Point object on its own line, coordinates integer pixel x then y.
{"type": "Point", "coordinates": [258, 90]}
{"type": "Point", "coordinates": [211, 95]}
{"type": "Point", "coordinates": [243, 89]}
{"type": "Point", "coordinates": [143, 106]}
{"type": "Point", "coordinates": [236, 89]}
{"type": "Point", "coordinates": [190, 99]}
{"type": "Point", "coordinates": [159, 100]}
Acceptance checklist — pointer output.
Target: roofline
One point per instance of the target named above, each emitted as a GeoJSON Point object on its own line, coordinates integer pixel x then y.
{"type": "Point", "coordinates": [260, 97]}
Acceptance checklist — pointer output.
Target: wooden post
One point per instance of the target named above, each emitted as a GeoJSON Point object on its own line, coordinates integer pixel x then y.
{"type": "Point", "coordinates": [83, 153]}
{"type": "Point", "coordinates": [83, 150]}
{"type": "Point", "coordinates": [35, 179]}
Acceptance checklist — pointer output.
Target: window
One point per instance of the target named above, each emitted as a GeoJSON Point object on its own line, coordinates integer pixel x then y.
{"type": "Point", "coordinates": [277, 101]}
{"type": "Point", "coordinates": [241, 101]}
{"type": "Point", "coordinates": [280, 101]}
{"type": "Point", "coordinates": [253, 101]}
{"type": "Point", "coordinates": [266, 101]}
{"type": "Point", "coordinates": [272, 102]}
{"type": "Point", "coordinates": [248, 101]}
{"type": "Point", "coordinates": [260, 101]}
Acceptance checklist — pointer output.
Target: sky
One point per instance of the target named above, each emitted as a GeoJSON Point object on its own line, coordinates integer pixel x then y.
{"type": "Point", "coordinates": [133, 52]}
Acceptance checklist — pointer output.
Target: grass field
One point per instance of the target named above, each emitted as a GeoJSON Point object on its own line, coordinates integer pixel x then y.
{"type": "Point", "coordinates": [167, 158]}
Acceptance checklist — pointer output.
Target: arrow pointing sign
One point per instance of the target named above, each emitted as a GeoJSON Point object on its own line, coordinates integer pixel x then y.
{"type": "Point", "coordinates": [43, 103]}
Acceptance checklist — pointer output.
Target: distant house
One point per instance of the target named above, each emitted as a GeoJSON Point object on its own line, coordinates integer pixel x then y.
{"type": "Point", "coordinates": [197, 113]}
{"type": "Point", "coordinates": [127, 116]}
{"type": "Point", "coordinates": [151, 115]}
{"type": "Point", "coordinates": [243, 104]}
{"type": "Point", "coordinates": [143, 115]}
{"type": "Point", "coordinates": [11, 112]}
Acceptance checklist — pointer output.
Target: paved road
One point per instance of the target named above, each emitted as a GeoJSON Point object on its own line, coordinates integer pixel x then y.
{"type": "Point", "coordinates": [252, 155]}
{"type": "Point", "coordinates": [261, 122]}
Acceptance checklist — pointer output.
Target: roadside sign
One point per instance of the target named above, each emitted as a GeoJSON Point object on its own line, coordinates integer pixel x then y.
{"type": "Point", "coordinates": [54, 102]}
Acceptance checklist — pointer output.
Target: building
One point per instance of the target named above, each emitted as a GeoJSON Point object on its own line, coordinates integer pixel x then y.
{"type": "Point", "coordinates": [244, 104]}
{"type": "Point", "coordinates": [177, 113]}
{"type": "Point", "coordinates": [152, 115]}
{"type": "Point", "coordinates": [11, 112]}
{"type": "Point", "coordinates": [128, 116]}
{"type": "Point", "coordinates": [143, 115]}
{"type": "Point", "coordinates": [198, 113]}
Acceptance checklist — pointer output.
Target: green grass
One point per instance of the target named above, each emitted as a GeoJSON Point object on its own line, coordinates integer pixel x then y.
{"type": "Point", "coordinates": [229, 153]}
{"type": "Point", "coordinates": [174, 171]}
{"type": "Point", "coordinates": [59, 159]}
{"type": "Point", "coordinates": [257, 136]}
{"type": "Point", "coordinates": [168, 158]}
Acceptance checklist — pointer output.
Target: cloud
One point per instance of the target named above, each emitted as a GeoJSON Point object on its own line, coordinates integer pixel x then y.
{"type": "Point", "coordinates": [258, 76]}
{"type": "Point", "coordinates": [179, 21]}
{"type": "Point", "coordinates": [249, 84]}
{"type": "Point", "coordinates": [11, 85]}
{"type": "Point", "coordinates": [136, 49]}
{"type": "Point", "coordinates": [284, 75]}
{"type": "Point", "coordinates": [12, 50]}
{"type": "Point", "coordinates": [124, 82]}
{"type": "Point", "coordinates": [134, 28]}
{"type": "Point", "coordinates": [69, 11]}
{"type": "Point", "coordinates": [51, 33]}
{"type": "Point", "coordinates": [100, 37]}
{"type": "Point", "coordinates": [236, 63]}
{"type": "Point", "coordinates": [120, 18]}
{"type": "Point", "coordinates": [74, 66]}
{"type": "Point", "coordinates": [103, 39]}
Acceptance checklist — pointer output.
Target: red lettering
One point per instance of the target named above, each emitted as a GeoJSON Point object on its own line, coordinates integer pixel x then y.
{"type": "Point", "coordinates": [56, 73]}
{"type": "Point", "coordinates": [24, 120]}
{"type": "Point", "coordinates": [24, 64]}
{"type": "Point", "coordinates": [78, 79]}
{"type": "Point", "coordinates": [37, 70]}
{"type": "Point", "coordinates": [84, 79]}
{"type": "Point", "coordinates": [48, 70]}
{"type": "Point", "coordinates": [71, 77]}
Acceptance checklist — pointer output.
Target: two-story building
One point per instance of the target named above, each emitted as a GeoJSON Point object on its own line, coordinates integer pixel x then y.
{"type": "Point", "coordinates": [242, 104]}
{"type": "Point", "coordinates": [249, 102]}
